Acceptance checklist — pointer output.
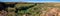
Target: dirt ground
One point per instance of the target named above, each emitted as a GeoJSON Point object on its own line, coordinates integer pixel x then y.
{"type": "Point", "coordinates": [54, 11]}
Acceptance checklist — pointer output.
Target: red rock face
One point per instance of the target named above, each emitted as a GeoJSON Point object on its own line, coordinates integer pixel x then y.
{"type": "Point", "coordinates": [3, 13]}
{"type": "Point", "coordinates": [53, 12]}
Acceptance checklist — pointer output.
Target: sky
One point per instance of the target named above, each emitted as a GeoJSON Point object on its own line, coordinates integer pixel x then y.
{"type": "Point", "coordinates": [29, 0]}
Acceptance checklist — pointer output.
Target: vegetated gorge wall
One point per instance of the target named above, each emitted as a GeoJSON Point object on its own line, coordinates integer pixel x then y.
{"type": "Point", "coordinates": [42, 9]}
{"type": "Point", "coordinates": [34, 9]}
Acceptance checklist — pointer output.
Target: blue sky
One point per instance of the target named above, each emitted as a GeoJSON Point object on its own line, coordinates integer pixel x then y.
{"type": "Point", "coordinates": [29, 0]}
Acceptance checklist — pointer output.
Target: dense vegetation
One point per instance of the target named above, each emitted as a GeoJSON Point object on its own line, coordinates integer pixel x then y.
{"type": "Point", "coordinates": [35, 9]}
